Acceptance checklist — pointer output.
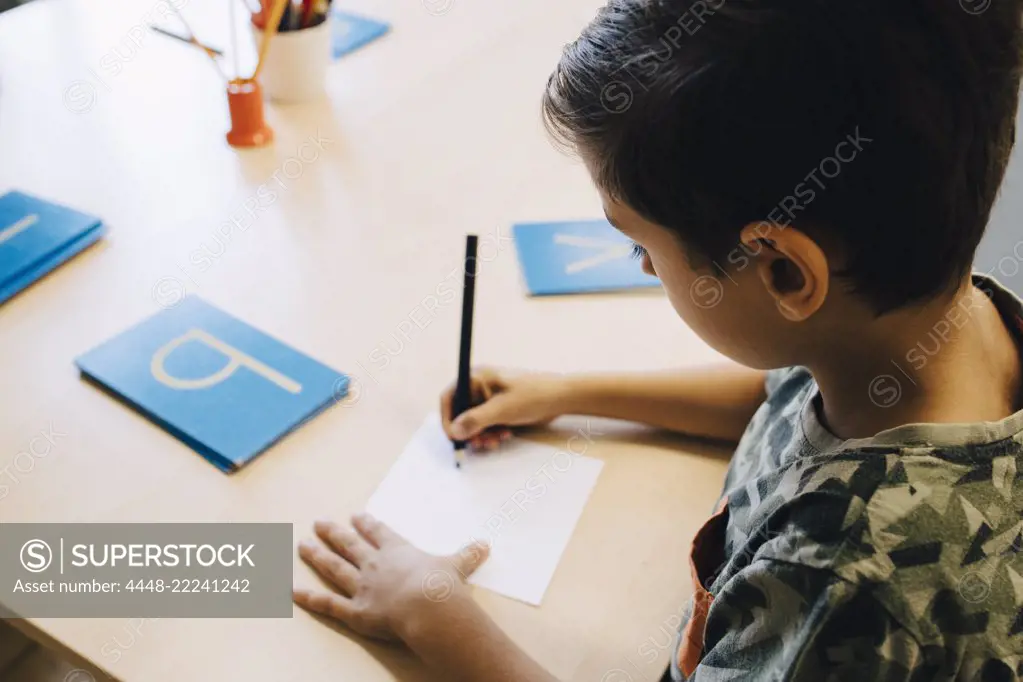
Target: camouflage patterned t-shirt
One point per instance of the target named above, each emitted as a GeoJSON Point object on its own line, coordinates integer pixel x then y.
{"type": "Point", "coordinates": [891, 558]}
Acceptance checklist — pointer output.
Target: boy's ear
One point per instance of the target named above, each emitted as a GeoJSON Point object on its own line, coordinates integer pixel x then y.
{"type": "Point", "coordinates": [792, 267]}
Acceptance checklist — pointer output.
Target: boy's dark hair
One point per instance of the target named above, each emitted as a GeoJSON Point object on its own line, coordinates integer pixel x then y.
{"type": "Point", "coordinates": [707, 116]}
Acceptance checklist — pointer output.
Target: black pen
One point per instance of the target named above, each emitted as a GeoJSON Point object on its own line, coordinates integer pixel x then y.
{"type": "Point", "coordinates": [462, 399]}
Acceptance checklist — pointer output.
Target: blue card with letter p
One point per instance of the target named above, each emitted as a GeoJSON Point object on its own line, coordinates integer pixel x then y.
{"type": "Point", "coordinates": [36, 236]}
{"type": "Point", "coordinates": [577, 257]}
{"type": "Point", "coordinates": [225, 389]}
{"type": "Point", "coordinates": [349, 32]}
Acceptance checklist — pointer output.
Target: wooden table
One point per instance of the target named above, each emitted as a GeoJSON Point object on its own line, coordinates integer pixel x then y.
{"type": "Point", "coordinates": [428, 134]}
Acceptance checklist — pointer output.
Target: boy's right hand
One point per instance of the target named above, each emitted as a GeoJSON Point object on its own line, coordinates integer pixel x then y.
{"type": "Point", "coordinates": [500, 401]}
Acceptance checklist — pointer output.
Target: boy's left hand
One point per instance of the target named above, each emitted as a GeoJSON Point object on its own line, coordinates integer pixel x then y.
{"type": "Point", "coordinates": [385, 587]}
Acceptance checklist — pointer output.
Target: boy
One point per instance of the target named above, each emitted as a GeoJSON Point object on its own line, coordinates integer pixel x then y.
{"type": "Point", "coordinates": [809, 179]}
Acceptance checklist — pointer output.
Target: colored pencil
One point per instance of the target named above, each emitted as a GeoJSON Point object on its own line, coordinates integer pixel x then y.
{"type": "Point", "coordinates": [307, 13]}
{"type": "Point", "coordinates": [273, 21]}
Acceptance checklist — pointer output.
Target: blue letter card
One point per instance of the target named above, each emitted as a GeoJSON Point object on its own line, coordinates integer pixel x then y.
{"type": "Point", "coordinates": [36, 236]}
{"type": "Point", "coordinates": [225, 389]}
{"type": "Point", "coordinates": [577, 257]}
{"type": "Point", "coordinates": [350, 32]}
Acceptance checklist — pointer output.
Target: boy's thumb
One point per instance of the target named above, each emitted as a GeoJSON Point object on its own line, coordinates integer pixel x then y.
{"type": "Point", "coordinates": [474, 421]}
{"type": "Point", "coordinates": [471, 557]}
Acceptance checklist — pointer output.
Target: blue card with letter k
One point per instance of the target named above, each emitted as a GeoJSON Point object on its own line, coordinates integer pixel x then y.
{"type": "Point", "coordinates": [225, 389]}
{"type": "Point", "coordinates": [577, 257]}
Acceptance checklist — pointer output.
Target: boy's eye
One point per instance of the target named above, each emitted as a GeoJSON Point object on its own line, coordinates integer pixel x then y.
{"type": "Point", "coordinates": [637, 251]}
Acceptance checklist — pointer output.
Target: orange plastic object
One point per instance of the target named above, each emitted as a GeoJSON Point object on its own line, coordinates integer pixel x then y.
{"type": "Point", "coordinates": [245, 101]}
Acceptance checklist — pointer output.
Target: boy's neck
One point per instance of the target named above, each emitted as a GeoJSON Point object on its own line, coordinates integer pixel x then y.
{"type": "Point", "coordinates": [950, 361]}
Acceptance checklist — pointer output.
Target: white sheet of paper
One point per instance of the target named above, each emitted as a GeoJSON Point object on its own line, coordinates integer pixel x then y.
{"type": "Point", "coordinates": [524, 500]}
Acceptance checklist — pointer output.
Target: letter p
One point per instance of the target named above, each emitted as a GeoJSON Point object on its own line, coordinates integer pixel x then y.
{"type": "Point", "coordinates": [235, 359]}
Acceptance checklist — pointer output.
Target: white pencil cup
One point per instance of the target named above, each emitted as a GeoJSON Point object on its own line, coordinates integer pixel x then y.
{"type": "Point", "coordinates": [296, 64]}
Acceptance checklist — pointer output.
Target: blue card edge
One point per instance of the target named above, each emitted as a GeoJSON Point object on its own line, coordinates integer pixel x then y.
{"type": "Point", "coordinates": [217, 459]}
{"type": "Point", "coordinates": [56, 251]}
{"type": "Point", "coordinates": [29, 275]}
{"type": "Point", "coordinates": [214, 457]}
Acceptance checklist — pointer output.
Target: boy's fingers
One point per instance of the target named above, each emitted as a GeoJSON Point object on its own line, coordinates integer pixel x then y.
{"type": "Point", "coordinates": [471, 423]}
{"type": "Point", "coordinates": [333, 568]}
{"type": "Point", "coordinates": [480, 393]}
{"type": "Point", "coordinates": [491, 439]}
{"type": "Point", "coordinates": [343, 541]}
{"type": "Point", "coordinates": [324, 603]}
{"type": "Point", "coordinates": [445, 406]}
{"type": "Point", "coordinates": [378, 534]}
{"type": "Point", "coordinates": [484, 384]}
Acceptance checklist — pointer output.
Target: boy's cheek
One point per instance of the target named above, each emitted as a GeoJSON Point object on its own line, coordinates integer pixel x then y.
{"type": "Point", "coordinates": [726, 315]}
{"type": "Point", "coordinates": [693, 294]}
